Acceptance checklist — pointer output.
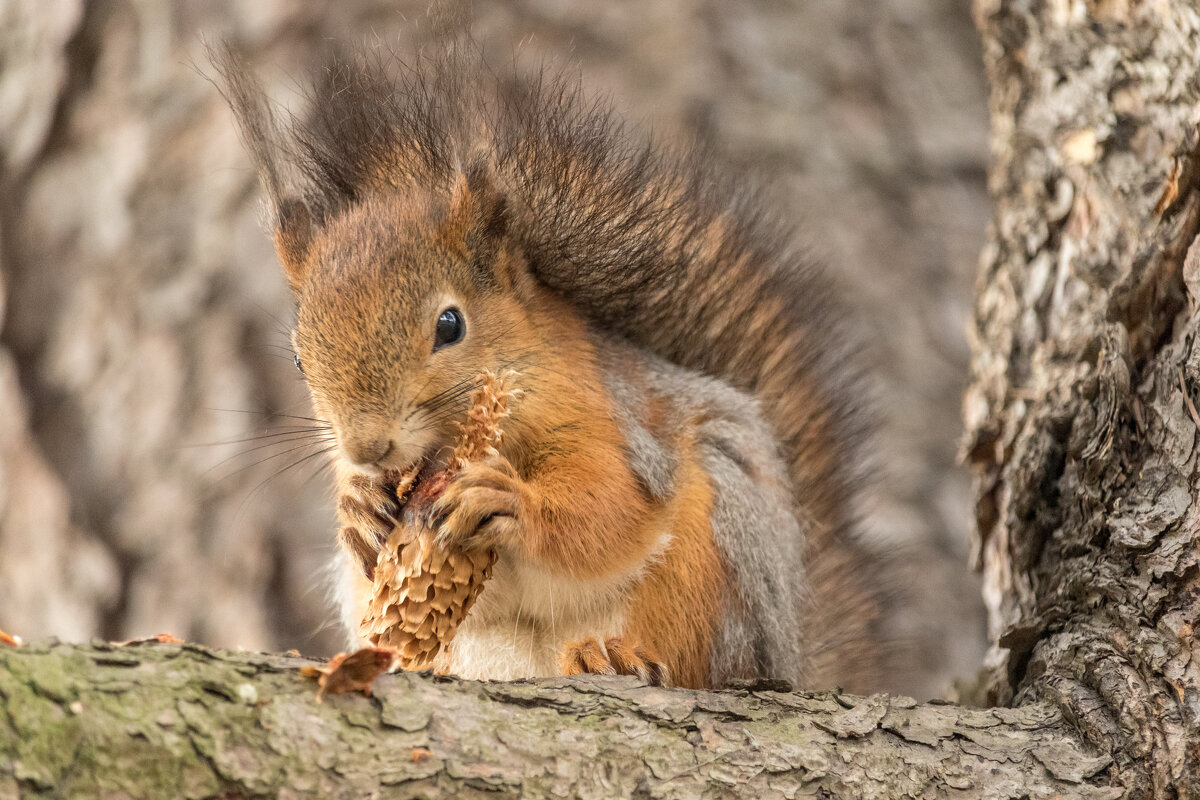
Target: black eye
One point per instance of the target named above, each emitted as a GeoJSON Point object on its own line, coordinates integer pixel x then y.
{"type": "Point", "coordinates": [450, 328]}
{"type": "Point", "coordinates": [296, 361]}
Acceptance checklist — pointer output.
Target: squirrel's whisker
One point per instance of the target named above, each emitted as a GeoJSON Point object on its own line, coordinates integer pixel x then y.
{"type": "Point", "coordinates": [313, 438]}
{"type": "Point", "coordinates": [267, 346]}
{"type": "Point", "coordinates": [321, 467]}
{"type": "Point", "coordinates": [271, 457]}
{"type": "Point", "coordinates": [296, 429]}
{"type": "Point", "coordinates": [460, 389]}
{"type": "Point", "coordinates": [279, 472]}
{"type": "Point", "coordinates": [441, 415]}
{"type": "Point", "coordinates": [282, 328]}
{"type": "Point", "coordinates": [269, 414]}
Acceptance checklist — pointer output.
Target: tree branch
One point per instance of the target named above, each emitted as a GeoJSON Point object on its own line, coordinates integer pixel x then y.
{"type": "Point", "coordinates": [182, 720]}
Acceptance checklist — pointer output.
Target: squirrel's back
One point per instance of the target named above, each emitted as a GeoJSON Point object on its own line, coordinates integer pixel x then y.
{"type": "Point", "coordinates": [654, 243]}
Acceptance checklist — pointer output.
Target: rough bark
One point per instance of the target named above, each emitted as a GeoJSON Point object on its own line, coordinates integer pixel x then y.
{"type": "Point", "coordinates": [171, 720]}
{"type": "Point", "coordinates": [1082, 413]}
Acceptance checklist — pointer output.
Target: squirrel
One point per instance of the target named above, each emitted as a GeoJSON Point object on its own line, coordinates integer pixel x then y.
{"type": "Point", "coordinates": [678, 490]}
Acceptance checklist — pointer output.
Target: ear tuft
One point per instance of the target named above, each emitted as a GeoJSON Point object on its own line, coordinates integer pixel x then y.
{"type": "Point", "coordinates": [294, 222]}
{"type": "Point", "coordinates": [456, 227]}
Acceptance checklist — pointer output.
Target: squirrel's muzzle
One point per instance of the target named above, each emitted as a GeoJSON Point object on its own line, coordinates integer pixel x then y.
{"type": "Point", "coordinates": [367, 451]}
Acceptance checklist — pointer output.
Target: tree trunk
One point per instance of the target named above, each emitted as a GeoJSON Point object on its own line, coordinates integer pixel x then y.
{"type": "Point", "coordinates": [1082, 415]}
{"type": "Point", "coordinates": [158, 721]}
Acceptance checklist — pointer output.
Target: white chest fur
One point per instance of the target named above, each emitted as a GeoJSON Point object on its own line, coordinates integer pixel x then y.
{"type": "Point", "coordinates": [525, 615]}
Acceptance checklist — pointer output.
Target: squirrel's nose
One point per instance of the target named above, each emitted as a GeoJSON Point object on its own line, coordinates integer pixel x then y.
{"type": "Point", "coordinates": [365, 452]}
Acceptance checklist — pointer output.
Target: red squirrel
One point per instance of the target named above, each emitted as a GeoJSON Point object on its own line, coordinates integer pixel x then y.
{"type": "Point", "coordinates": [677, 491]}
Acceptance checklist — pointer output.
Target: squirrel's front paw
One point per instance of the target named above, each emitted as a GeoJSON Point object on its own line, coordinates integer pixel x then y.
{"type": "Point", "coordinates": [367, 510]}
{"type": "Point", "coordinates": [482, 506]}
{"type": "Point", "coordinates": [613, 657]}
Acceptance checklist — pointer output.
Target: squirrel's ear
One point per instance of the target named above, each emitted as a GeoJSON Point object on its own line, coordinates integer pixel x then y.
{"type": "Point", "coordinates": [478, 215]}
{"type": "Point", "coordinates": [293, 233]}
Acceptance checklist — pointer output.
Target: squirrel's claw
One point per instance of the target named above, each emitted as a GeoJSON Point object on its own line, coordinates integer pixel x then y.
{"type": "Point", "coordinates": [363, 549]}
{"type": "Point", "coordinates": [367, 510]}
{"type": "Point", "coordinates": [481, 506]}
{"type": "Point", "coordinates": [613, 657]}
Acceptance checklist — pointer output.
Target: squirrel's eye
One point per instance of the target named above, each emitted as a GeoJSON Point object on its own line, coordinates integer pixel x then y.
{"type": "Point", "coordinates": [450, 328]}
{"type": "Point", "coordinates": [296, 361]}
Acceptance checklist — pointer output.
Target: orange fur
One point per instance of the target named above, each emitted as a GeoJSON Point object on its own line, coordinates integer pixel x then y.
{"type": "Point", "coordinates": [291, 244]}
{"type": "Point", "coordinates": [679, 602]}
{"type": "Point", "coordinates": [593, 519]}
{"type": "Point", "coordinates": [589, 516]}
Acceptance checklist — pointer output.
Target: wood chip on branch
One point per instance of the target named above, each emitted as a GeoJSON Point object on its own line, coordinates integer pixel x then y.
{"type": "Point", "coordinates": [423, 591]}
{"type": "Point", "coordinates": [160, 638]}
{"type": "Point", "coordinates": [351, 672]}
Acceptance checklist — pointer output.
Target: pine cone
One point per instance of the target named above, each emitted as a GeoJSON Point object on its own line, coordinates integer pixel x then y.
{"type": "Point", "coordinates": [423, 591]}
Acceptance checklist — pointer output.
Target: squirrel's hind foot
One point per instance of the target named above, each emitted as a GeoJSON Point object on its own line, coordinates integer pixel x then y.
{"type": "Point", "coordinates": [612, 657]}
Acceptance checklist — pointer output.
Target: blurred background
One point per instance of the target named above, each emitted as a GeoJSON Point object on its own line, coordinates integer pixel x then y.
{"type": "Point", "coordinates": [143, 317]}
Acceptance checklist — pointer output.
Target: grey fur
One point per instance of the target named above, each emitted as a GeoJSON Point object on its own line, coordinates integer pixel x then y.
{"type": "Point", "coordinates": [761, 540]}
{"type": "Point", "coordinates": [757, 529]}
{"type": "Point", "coordinates": [651, 460]}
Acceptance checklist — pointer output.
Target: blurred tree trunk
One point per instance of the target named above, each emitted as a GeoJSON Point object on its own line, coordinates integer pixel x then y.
{"type": "Point", "coordinates": [1081, 416]}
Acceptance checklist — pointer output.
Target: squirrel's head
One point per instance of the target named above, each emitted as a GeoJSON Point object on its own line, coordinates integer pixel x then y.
{"type": "Point", "coordinates": [396, 245]}
{"type": "Point", "coordinates": [403, 299]}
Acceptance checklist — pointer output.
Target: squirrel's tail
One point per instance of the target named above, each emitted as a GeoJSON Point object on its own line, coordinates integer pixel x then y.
{"type": "Point", "coordinates": [692, 264]}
